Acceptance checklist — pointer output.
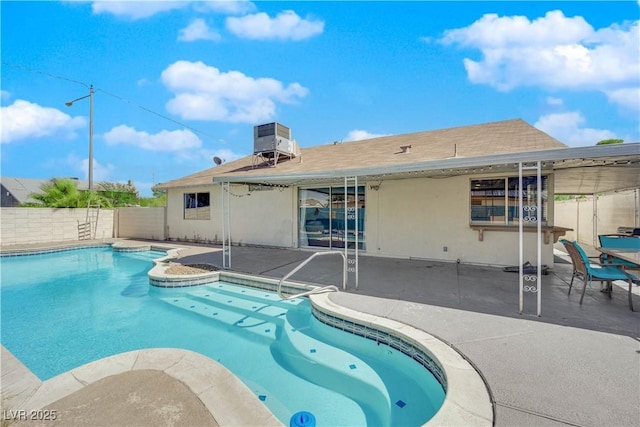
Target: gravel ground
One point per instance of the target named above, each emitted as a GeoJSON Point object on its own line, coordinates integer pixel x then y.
{"type": "Point", "coordinates": [179, 269]}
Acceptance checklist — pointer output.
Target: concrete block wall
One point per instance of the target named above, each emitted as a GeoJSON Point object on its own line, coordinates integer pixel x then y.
{"type": "Point", "coordinates": [41, 225]}
{"type": "Point", "coordinates": [141, 223]}
{"type": "Point", "coordinates": [613, 210]}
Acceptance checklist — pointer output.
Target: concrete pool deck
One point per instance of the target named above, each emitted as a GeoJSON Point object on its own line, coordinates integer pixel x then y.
{"type": "Point", "coordinates": [149, 387]}
{"type": "Point", "coordinates": [574, 365]}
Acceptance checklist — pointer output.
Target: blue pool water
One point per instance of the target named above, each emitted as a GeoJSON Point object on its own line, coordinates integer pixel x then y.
{"type": "Point", "coordinates": [64, 309]}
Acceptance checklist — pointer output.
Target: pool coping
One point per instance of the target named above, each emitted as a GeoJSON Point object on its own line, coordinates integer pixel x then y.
{"type": "Point", "coordinates": [467, 399]}
{"type": "Point", "coordinates": [125, 246]}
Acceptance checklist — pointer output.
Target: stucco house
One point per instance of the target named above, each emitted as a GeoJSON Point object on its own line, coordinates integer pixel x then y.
{"type": "Point", "coordinates": [449, 195]}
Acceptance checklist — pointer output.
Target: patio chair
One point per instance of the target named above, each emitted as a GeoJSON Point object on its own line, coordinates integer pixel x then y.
{"type": "Point", "coordinates": [588, 271]}
{"type": "Point", "coordinates": [618, 241]}
{"type": "Point", "coordinates": [575, 260]}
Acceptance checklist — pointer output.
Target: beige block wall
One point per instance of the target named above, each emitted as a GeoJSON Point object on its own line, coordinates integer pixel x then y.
{"type": "Point", "coordinates": [257, 217]}
{"type": "Point", "coordinates": [409, 218]}
{"type": "Point", "coordinates": [196, 230]}
{"type": "Point", "coordinates": [613, 210]}
{"type": "Point", "coordinates": [141, 223]}
{"type": "Point", "coordinates": [264, 217]}
{"type": "Point", "coordinates": [41, 225]}
{"type": "Point", "coordinates": [419, 217]}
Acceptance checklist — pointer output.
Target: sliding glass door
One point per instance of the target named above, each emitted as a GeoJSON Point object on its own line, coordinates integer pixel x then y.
{"type": "Point", "coordinates": [321, 217]}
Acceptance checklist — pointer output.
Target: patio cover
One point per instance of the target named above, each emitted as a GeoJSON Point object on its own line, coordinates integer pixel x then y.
{"type": "Point", "coordinates": [581, 170]}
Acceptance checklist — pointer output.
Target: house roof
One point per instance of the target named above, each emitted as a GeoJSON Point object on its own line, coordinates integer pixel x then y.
{"type": "Point", "coordinates": [503, 137]}
{"type": "Point", "coordinates": [21, 188]}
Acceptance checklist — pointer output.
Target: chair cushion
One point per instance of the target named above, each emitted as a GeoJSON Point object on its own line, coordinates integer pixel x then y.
{"type": "Point", "coordinates": [610, 273]}
{"type": "Point", "coordinates": [611, 260]}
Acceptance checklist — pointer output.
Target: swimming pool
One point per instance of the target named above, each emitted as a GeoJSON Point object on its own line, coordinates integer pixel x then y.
{"type": "Point", "coordinates": [87, 304]}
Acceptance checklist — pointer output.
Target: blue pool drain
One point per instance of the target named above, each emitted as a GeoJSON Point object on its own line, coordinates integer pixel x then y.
{"type": "Point", "coordinates": [302, 419]}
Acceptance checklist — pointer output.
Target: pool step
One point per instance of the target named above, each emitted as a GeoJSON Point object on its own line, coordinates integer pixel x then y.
{"type": "Point", "coordinates": [241, 306]}
{"type": "Point", "coordinates": [249, 301]}
{"type": "Point", "coordinates": [142, 255]}
{"type": "Point", "coordinates": [231, 316]}
{"type": "Point", "coordinates": [300, 352]}
{"type": "Point", "coordinates": [285, 325]}
{"type": "Point", "coordinates": [253, 294]}
{"type": "Point", "coordinates": [255, 310]}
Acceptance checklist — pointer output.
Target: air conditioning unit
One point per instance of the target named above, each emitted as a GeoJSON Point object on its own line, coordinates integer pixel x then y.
{"type": "Point", "coordinates": [271, 142]}
{"type": "Point", "coordinates": [272, 138]}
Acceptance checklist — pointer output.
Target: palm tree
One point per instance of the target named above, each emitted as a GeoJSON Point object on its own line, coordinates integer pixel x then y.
{"type": "Point", "coordinates": [64, 193]}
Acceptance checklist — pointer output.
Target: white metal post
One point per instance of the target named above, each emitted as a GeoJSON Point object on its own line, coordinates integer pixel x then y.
{"type": "Point", "coordinates": [356, 230]}
{"type": "Point", "coordinates": [533, 213]}
{"type": "Point", "coordinates": [346, 249]}
{"type": "Point", "coordinates": [352, 263]}
{"type": "Point", "coordinates": [636, 197]}
{"type": "Point", "coordinates": [595, 220]}
{"type": "Point", "coordinates": [226, 224]}
{"type": "Point", "coordinates": [357, 225]}
{"type": "Point", "coordinates": [520, 240]}
{"type": "Point", "coordinates": [539, 234]}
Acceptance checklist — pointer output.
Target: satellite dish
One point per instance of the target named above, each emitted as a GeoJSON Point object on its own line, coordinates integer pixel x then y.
{"type": "Point", "coordinates": [217, 160]}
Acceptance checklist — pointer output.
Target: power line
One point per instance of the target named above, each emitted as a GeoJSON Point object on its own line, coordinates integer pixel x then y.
{"type": "Point", "coordinates": [31, 70]}
{"type": "Point", "coordinates": [120, 98]}
{"type": "Point", "coordinates": [153, 112]}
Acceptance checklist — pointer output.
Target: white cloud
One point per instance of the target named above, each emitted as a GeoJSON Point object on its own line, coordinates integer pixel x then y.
{"type": "Point", "coordinates": [176, 141]}
{"type": "Point", "coordinates": [358, 134]}
{"type": "Point", "coordinates": [492, 31]}
{"type": "Point", "coordinates": [628, 98]}
{"type": "Point", "coordinates": [552, 100]}
{"type": "Point", "coordinates": [198, 30]}
{"type": "Point", "coordinates": [141, 9]}
{"type": "Point", "coordinates": [100, 172]}
{"type": "Point", "coordinates": [202, 158]}
{"type": "Point", "coordinates": [227, 7]}
{"type": "Point", "coordinates": [227, 155]}
{"type": "Point", "coordinates": [144, 82]}
{"type": "Point", "coordinates": [80, 166]}
{"type": "Point", "coordinates": [553, 51]}
{"type": "Point", "coordinates": [203, 92]}
{"type": "Point", "coordinates": [25, 120]}
{"type": "Point", "coordinates": [136, 9]}
{"type": "Point", "coordinates": [568, 128]}
{"type": "Point", "coordinates": [223, 153]}
{"type": "Point", "coordinates": [286, 25]}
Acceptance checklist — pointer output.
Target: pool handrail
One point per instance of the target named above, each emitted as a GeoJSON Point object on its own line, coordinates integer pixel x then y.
{"type": "Point", "coordinates": [315, 290]}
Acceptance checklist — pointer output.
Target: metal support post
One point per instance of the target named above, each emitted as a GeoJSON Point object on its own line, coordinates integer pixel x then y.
{"type": "Point", "coordinates": [226, 224]}
{"type": "Point", "coordinates": [595, 220]}
{"type": "Point", "coordinates": [530, 213]}
{"type": "Point", "coordinates": [351, 213]}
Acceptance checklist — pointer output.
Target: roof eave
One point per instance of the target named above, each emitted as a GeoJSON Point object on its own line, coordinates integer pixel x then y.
{"type": "Point", "coordinates": [453, 165]}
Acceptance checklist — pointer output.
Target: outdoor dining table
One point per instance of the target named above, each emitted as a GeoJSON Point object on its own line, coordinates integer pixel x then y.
{"type": "Point", "coordinates": [626, 254]}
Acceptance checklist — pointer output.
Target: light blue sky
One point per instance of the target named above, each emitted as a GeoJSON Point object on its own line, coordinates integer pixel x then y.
{"type": "Point", "coordinates": [180, 82]}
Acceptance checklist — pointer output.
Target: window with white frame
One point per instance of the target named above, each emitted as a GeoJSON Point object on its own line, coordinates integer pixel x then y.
{"type": "Point", "coordinates": [196, 206]}
{"type": "Point", "coordinates": [496, 200]}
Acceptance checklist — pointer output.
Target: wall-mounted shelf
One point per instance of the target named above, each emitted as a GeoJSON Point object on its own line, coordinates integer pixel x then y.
{"type": "Point", "coordinates": [547, 231]}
